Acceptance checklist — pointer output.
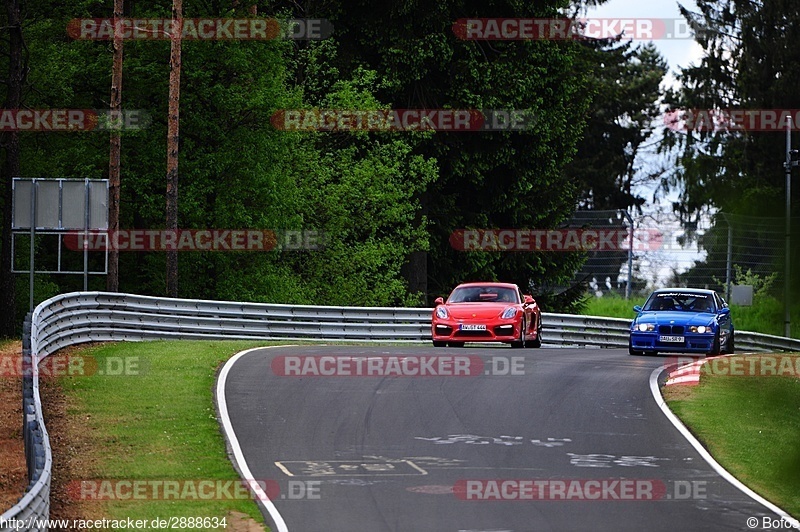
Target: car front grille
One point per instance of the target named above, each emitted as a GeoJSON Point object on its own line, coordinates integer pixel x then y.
{"type": "Point", "coordinates": [473, 334]}
{"type": "Point", "coordinates": [671, 329]}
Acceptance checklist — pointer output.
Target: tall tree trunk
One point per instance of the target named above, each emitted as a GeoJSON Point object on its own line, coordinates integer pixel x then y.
{"type": "Point", "coordinates": [112, 280]}
{"type": "Point", "coordinates": [173, 142]}
{"type": "Point", "coordinates": [16, 77]}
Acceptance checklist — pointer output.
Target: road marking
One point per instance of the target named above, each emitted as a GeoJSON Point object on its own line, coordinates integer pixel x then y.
{"type": "Point", "coordinates": [473, 439]}
{"type": "Point", "coordinates": [283, 468]}
{"type": "Point", "coordinates": [350, 468]}
{"type": "Point", "coordinates": [233, 441]}
{"type": "Point", "coordinates": [551, 442]}
{"type": "Point", "coordinates": [610, 460]}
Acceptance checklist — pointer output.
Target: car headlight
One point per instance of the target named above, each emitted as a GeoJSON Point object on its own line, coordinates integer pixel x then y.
{"type": "Point", "coordinates": [441, 313]}
{"type": "Point", "coordinates": [646, 327]}
{"type": "Point", "coordinates": [509, 313]}
{"type": "Point", "coordinates": [699, 329]}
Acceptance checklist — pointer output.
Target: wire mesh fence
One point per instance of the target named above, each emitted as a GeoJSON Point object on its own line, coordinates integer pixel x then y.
{"type": "Point", "coordinates": [716, 252]}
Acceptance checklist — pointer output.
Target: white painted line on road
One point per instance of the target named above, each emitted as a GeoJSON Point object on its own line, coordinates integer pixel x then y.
{"type": "Point", "coordinates": [283, 468]}
{"type": "Point", "coordinates": [656, 391]}
{"type": "Point", "coordinates": [339, 468]}
{"type": "Point", "coordinates": [227, 427]}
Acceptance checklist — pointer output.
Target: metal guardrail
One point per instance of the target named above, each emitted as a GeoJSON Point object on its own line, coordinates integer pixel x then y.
{"type": "Point", "coordinates": [35, 503]}
{"type": "Point", "coordinates": [80, 317]}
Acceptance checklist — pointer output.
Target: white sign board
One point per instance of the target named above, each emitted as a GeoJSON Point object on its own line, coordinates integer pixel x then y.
{"type": "Point", "coordinates": [60, 204]}
{"type": "Point", "coordinates": [742, 294]}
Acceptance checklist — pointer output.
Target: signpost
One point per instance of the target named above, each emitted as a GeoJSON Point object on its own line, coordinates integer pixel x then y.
{"type": "Point", "coordinates": [56, 207]}
{"type": "Point", "coordinates": [791, 160]}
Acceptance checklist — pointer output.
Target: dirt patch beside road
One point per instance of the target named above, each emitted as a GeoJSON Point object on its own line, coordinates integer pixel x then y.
{"type": "Point", "coordinates": [13, 472]}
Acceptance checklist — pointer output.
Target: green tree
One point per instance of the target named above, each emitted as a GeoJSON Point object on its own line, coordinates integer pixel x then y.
{"type": "Point", "coordinates": [235, 166]}
{"type": "Point", "coordinates": [749, 62]}
{"type": "Point", "coordinates": [10, 145]}
{"type": "Point", "coordinates": [360, 190]}
{"type": "Point", "coordinates": [491, 179]}
{"type": "Point", "coordinates": [620, 119]}
{"type": "Point", "coordinates": [237, 171]}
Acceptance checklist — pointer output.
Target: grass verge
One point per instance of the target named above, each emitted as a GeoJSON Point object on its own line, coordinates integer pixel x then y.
{"type": "Point", "coordinates": [155, 421]}
{"type": "Point", "coordinates": [751, 425]}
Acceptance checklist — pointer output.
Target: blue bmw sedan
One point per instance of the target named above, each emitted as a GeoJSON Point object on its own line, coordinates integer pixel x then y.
{"type": "Point", "coordinates": [682, 320]}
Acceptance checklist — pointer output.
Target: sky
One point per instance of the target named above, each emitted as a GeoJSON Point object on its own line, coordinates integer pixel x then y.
{"type": "Point", "coordinates": [677, 52]}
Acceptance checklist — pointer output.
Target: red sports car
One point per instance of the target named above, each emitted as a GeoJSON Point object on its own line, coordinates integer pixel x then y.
{"type": "Point", "coordinates": [487, 312]}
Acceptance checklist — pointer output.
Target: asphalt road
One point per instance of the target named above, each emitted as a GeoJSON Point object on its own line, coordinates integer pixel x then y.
{"type": "Point", "coordinates": [418, 453]}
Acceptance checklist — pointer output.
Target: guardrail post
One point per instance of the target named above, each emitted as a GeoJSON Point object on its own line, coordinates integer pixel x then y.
{"type": "Point", "coordinates": [28, 409]}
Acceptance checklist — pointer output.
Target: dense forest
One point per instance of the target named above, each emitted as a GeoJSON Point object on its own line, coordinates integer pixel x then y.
{"type": "Point", "coordinates": [386, 202]}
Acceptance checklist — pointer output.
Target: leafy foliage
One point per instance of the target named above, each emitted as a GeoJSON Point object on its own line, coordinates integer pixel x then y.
{"type": "Point", "coordinates": [749, 62]}
{"type": "Point", "coordinates": [379, 199]}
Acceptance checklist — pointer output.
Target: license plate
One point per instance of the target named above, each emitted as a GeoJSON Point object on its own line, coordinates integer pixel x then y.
{"type": "Point", "coordinates": [670, 339]}
{"type": "Point", "coordinates": [472, 327]}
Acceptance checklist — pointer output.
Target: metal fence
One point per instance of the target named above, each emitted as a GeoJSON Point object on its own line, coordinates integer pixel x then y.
{"type": "Point", "coordinates": [80, 317]}
{"type": "Point", "coordinates": [711, 252]}
{"type": "Point", "coordinates": [608, 270]}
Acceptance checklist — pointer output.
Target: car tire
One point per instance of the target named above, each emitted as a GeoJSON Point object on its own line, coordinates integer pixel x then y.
{"type": "Point", "coordinates": [729, 347]}
{"type": "Point", "coordinates": [538, 341]}
{"type": "Point", "coordinates": [455, 344]}
{"type": "Point", "coordinates": [437, 343]}
{"type": "Point", "coordinates": [521, 342]}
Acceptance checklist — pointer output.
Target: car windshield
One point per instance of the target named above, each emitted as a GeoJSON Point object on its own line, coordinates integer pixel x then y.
{"type": "Point", "coordinates": [483, 294]}
{"type": "Point", "coordinates": [681, 301]}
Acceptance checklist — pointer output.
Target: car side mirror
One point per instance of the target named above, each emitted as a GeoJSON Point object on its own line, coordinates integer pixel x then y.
{"type": "Point", "coordinates": [527, 300]}
{"type": "Point", "coordinates": [439, 301]}
{"type": "Point", "coordinates": [637, 308]}
{"type": "Point", "coordinates": [724, 311]}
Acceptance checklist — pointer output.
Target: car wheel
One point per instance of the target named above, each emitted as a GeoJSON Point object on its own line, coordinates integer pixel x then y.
{"type": "Point", "coordinates": [455, 344]}
{"type": "Point", "coordinates": [715, 348]}
{"type": "Point", "coordinates": [538, 341]}
{"type": "Point", "coordinates": [729, 347]}
{"type": "Point", "coordinates": [437, 343]}
{"type": "Point", "coordinates": [521, 341]}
